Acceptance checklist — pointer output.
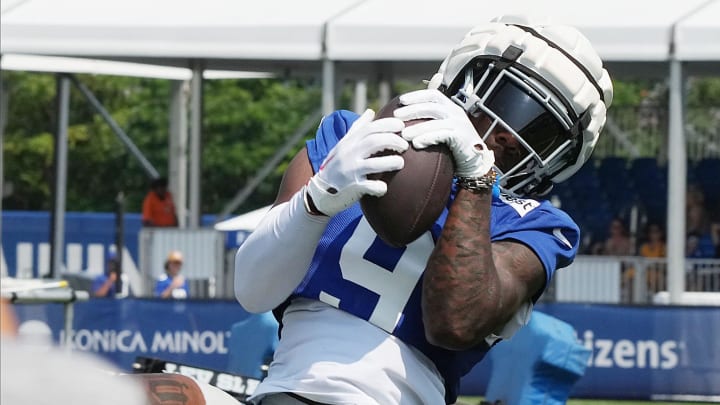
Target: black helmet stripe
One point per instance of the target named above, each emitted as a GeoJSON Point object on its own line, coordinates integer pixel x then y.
{"type": "Point", "coordinates": [567, 55]}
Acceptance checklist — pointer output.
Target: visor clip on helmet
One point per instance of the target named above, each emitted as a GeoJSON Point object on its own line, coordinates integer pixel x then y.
{"type": "Point", "coordinates": [508, 57]}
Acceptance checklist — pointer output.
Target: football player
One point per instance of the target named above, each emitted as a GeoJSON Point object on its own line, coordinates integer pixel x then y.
{"type": "Point", "coordinates": [521, 106]}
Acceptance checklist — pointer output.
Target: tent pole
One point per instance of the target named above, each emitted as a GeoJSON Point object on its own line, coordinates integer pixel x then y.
{"type": "Point", "coordinates": [328, 86]}
{"type": "Point", "coordinates": [61, 150]}
{"type": "Point", "coordinates": [178, 128]}
{"type": "Point", "coordinates": [360, 103]}
{"type": "Point", "coordinates": [124, 138]}
{"type": "Point", "coordinates": [384, 84]}
{"type": "Point", "coordinates": [196, 88]}
{"type": "Point", "coordinates": [677, 179]}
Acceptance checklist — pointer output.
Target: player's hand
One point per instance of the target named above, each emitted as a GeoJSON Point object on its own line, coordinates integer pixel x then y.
{"type": "Point", "coordinates": [342, 178]}
{"type": "Point", "coordinates": [449, 124]}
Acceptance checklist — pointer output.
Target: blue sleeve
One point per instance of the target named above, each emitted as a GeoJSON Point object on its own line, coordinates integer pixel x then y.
{"type": "Point", "coordinates": [332, 128]}
{"type": "Point", "coordinates": [160, 286]}
{"type": "Point", "coordinates": [546, 230]}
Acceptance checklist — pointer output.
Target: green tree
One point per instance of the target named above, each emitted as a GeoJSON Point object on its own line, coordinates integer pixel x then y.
{"type": "Point", "coordinates": [99, 166]}
{"type": "Point", "coordinates": [245, 121]}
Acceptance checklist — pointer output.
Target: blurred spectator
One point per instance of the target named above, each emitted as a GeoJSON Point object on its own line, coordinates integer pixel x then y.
{"type": "Point", "coordinates": [715, 232]}
{"type": "Point", "coordinates": [8, 322]}
{"type": "Point", "coordinates": [105, 285]}
{"type": "Point", "coordinates": [699, 246]}
{"type": "Point", "coordinates": [695, 195]}
{"type": "Point", "coordinates": [699, 243]}
{"type": "Point", "coordinates": [654, 243]}
{"type": "Point", "coordinates": [158, 207]}
{"type": "Point", "coordinates": [654, 246]}
{"type": "Point", "coordinates": [618, 242]}
{"type": "Point", "coordinates": [696, 212]}
{"type": "Point", "coordinates": [172, 284]}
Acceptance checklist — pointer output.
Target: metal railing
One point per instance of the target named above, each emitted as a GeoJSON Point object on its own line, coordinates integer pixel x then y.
{"type": "Point", "coordinates": [203, 263]}
{"type": "Point", "coordinates": [632, 280]}
{"type": "Point", "coordinates": [635, 132]}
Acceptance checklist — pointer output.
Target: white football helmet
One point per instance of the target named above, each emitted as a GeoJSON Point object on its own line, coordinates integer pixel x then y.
{"type": "Point", "coordinates": [544, 83]}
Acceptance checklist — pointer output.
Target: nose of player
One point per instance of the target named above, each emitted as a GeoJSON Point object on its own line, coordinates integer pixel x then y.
{"type": "Point", "coordinates": [508, 151]}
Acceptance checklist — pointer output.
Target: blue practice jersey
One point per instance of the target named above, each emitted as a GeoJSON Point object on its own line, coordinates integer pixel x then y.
{"type": "Point", "coordinates": [163, 282]}
{"type": "Point", "coordinates": [99, 281]}
{"type": "Point", "coordinates": [355, 271]}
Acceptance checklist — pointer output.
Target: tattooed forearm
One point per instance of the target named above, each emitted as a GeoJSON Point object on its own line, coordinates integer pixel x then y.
{"type": "Point", "coordinates": [471, 286]}
{"type": "Point", "coordinates": [461, 284]}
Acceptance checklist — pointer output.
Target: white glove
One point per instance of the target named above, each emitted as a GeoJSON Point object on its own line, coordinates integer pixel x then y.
{"type": "Point", "coordinates": [342, 178]}
{"type": "Point", "coordinates": [450, 125]}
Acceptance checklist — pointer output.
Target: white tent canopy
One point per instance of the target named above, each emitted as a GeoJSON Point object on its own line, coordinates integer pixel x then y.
{"type": "Point", "coordinates": [620, 30]}
{"type": "Point", "coordinates": [226, 29]}
{"type": "Point", "coordinates": [697, 37]}
{"type": "Point", "coordinates": [225, 32]}
{"type": "Point", "coordinates": [245, 222]}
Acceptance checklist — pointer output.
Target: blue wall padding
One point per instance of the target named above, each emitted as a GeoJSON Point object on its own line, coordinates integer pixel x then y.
{"type": "Point", "coordinates": [252, 344]}
{"type": "Point", "coordinates": [539, 365]}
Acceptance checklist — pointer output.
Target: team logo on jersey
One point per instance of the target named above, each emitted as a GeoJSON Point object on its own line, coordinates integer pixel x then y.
{"type": "Point", "coordinates": [521, 205]}
{"type": "Point", "coordinates": [558, 234]}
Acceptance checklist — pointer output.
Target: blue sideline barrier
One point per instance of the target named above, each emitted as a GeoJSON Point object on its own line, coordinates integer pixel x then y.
{"type": "Point", "coordinates": [252, 344]}
{"type": "Point", "coordinates": [539, 365]}
{"type": "Point", "coordinates": [637, 352]}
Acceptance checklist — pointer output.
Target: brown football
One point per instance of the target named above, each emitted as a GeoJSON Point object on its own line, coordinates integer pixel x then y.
{"type": "Point", "coordinates": [416, 195]}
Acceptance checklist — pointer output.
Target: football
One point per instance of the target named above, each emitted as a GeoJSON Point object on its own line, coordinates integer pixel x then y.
{"type": "Point", "coordinates": [416, 195]}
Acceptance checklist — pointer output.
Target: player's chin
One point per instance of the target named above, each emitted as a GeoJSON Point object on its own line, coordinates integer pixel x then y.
{"type": "Point", "coordinates": [504, 162]}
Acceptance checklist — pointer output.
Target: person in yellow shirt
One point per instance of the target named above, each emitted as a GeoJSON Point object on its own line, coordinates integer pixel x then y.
{"type": "Point", "coordinates": [654, 247]}
{"type": "Point", "coordinates": [158, 206]}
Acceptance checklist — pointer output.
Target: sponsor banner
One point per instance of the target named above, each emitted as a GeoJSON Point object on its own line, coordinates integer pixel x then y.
{"type": "Point", "coordinates": [645, 351]}
{"type": "Point", "coordinates": [26, 241]}
{"type": "Point", "coordinates": [637, 352]}
{"type": "Point", "coordinates": [190, 332]}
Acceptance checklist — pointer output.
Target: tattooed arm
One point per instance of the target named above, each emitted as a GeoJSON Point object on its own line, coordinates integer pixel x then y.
{"type": "Point", "coordinates": [473, 287]}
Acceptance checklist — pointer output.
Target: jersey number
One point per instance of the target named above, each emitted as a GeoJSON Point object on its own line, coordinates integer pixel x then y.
{"type": "Point", "coordinates": [393, 287]}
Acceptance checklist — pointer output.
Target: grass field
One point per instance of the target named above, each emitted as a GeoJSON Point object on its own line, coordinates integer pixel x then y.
{"type": "Point", "coordinates": [476, 401]}
{"type": "Point", "coordinates": [609, 402]}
